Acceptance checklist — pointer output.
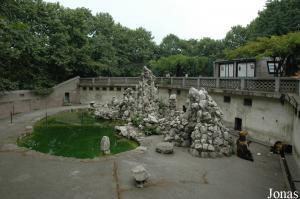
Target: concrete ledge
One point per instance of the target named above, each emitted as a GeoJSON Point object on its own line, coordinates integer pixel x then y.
{"type": "Point", "coordinates": [292, 171]}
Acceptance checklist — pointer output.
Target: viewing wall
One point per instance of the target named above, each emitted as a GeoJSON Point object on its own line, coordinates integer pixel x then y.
{"type": "Point", "coordinates": [21, 101]}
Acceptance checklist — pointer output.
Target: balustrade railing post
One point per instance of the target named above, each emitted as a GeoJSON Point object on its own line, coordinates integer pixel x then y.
{"type": "Point", "coordinates": [108, 81]}
{"type": "Point", "coordinates": [198, 82]}
{"type": "Point", "coordinates": [126, 80]}
{"type": "Point", "coordinates": [242, 84]}
{"type": "Point", "coordinates": [183, 81]}
{"type": "Point", "coordinates": [171, 81]}
{"type": "Point", "coordinates": [217, 82]}
{"type": "Point", "coordinates": [277, 84]}
{"type": "Point", "coordinates": [93, 81]}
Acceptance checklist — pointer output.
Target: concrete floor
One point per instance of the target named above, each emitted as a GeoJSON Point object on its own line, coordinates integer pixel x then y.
{"type": "Point", "coordinates": [31, 175]}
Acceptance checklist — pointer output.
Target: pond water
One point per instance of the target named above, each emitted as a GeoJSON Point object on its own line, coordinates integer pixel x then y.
{"type": "Point", "coordinates": [75, 134]}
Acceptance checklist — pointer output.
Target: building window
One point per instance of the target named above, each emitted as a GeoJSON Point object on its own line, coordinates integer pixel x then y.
{"type": "Point", "coordinates": [22, 95]}
{"type": "Point", "coordinates": [227, 99]}
{"type": "Point", "coordinates": [111, 88]}
{"type": "Point", "coordinates": [97, 88]}
{"type": "Point", "coordinates": [67, 97]}
{"type": "Point", "coordinates": [90, 88]}
{"type": "Point", "coordinates": [246, 69]}
{"type": "Point", "coordinates": [226, 70]}
{"type": "Point", "coordinates": [273, 66]}
{"type": "Point", "coordinates": [104, 88]}
{"type": "Point", "coordinates": [84, 88]}
{"type": "Point", "coordinates": [248, 102]}
{"type": "Point", "coordinates": [118, 88]}
{"type": "Point", "coordinates": [178, 92]}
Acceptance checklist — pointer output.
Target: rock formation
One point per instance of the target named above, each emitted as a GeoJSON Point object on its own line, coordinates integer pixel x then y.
{"type": "Point", "coordinates": [141, 105]}
{"type": "Point", "coordinates": [105, 145]}
{"type": "Point", "coordinates": [164, 147]}
{"type": "Point", "coordinates": [140, 175]}
{"type": "Point", "coordinates": [200, 128]}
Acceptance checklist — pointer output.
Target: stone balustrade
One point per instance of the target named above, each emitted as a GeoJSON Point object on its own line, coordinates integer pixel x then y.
{"type": "Point", "coordinates": [282, 84]}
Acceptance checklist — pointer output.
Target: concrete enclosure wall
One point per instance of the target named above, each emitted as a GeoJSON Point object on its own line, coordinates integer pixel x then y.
{"type": "Point", "coordinates": [267, 119]}
{"type": "Point", "coordinates": [25, 101]}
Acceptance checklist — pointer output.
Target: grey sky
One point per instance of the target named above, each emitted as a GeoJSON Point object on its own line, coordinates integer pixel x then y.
{"type": "Point", "coordinates": [185, 18]}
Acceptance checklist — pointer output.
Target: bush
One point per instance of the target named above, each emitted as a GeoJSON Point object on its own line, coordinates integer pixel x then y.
{"type": "Point", "coordinates": [153, 130]}
{"type": "Point", "coordinates": [43, 91]}
{"type": "Point", "coordinates": [136, 120]}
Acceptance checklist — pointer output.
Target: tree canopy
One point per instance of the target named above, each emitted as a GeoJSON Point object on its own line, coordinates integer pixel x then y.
{"type": "Point", "coordinates": [285, 49]}
{"type": "Point", "coordinates": [179, 65]}
{"type": "Point", "coordinates": [43, 43]}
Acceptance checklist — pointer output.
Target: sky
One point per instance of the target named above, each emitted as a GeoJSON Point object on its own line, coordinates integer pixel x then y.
{"type": "Point", "coordinates": [188, 19]}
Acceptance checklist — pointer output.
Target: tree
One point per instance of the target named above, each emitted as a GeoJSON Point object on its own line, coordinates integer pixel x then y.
{"type": "Point", "coordinates": [236, 37]}
{"type": "Point", "coordinates": [278, 18]}
{"type": "Point", "coordinates": [285, 49]}
{"type": "Point", "coordinates": [171, 45]}
{"type": "Point", "coordinates": [179, 65]}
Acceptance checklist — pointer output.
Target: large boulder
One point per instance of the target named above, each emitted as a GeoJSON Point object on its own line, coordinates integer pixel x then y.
{"type": "Point", "coordinates": [165, 147]}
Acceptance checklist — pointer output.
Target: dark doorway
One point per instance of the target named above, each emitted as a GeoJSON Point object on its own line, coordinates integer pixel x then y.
{"type": "Point", "coordinates": [238, 124]}
{"type": "Point", "coordinates": [67, 98]}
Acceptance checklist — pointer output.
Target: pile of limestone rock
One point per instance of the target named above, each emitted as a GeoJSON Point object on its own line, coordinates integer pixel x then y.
{"type": "Point", "coordinates": [199, 128]}
{"type": "Point", "coordinates": [140, 105]}
{"type": "Point", "coordinates": [143, 102]}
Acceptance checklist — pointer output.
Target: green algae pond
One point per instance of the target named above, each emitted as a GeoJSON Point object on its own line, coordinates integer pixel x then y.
{"type": "Point", "coordinates": [74, 134]}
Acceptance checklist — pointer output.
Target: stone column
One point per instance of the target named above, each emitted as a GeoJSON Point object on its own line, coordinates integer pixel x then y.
{"type": "Point", "coordinates": [277, 84]}
{"type": "Point", "coordinates": [217, 82]}
{"type": "Point", "coordinates": [243, 84]}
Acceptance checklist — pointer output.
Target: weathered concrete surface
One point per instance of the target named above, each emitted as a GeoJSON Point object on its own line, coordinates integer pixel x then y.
{"type": "Point", "coordinates": [29, 175]}
{"type": "Point", "coordinates": [23, 101]}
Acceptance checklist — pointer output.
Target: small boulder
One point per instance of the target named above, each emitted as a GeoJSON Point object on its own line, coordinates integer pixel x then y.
{"type": "Point", "coordinates": [165, 148]}
{"type": "Point", "coordinates": [152, 119]}
{"type": "Point", "coordinates": [140, 175]}
{"type": "Point", "coordinates": [105, 145]}
{"type": "Point", "coordinates": [123, 130]}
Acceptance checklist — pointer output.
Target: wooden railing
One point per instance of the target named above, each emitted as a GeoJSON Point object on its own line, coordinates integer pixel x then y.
{"type": "Point", "coordinates": [282, 85]}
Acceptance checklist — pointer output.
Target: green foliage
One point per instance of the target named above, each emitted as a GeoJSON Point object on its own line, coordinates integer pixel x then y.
{"type": "Point", "coordinates": [179, 65]}
{"type": "Point", "coordinates": [282, 48]}
{"type": "Point", "coordinates": [278, 18]}
{"type": "Point", "coordinates": [236, 37]}
{"type": "Point", "coordinates": [43, 92]}
{"type": "Point", "coordinates": [136, 120]}
{"type": "Point", "coordinates": [152, 130]}
{"type": "Point", "coordinates": [40, 39]}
